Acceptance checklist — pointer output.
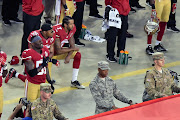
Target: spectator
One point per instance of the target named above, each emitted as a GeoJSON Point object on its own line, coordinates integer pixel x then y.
{"type": "Point", "coordinates": [94, 13]}
{"type": "Point", "coordinates": [10, 12]}
{"type": "Point", "coordinates": [123, 8]}
{"type": "Point", "coordinates": [103, 88]}
{"type": "Point", "coordinates": [35, 60]}
{"type": "Point", "coordinates": [78, 18]}
{"type": "Point", "coordinates": [28, 115]}
{"type": "Point", "coordinates": [64, 35]}
{"type": "Point", "coordinates": [160, 12]}
{"type": "Point", "coordinates": [158, 81]}
{"type": "Point", "coordinates": [3, 72]}
{"type": "Point", "coordinates": [171, 25]}
{"type": "Point", "coordinates": [44, 107]}
{"type": "Point", "coordinates": [32, 12]}
{"type": "Point", "coordinates": [49, 8]}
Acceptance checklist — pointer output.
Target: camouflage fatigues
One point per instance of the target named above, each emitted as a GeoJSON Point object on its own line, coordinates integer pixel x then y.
{"type": "Point", "coordinates": [46, 110]}
{"type": "Point", "coordinates": [103, 92]}
{"type": "Point", "coordinates": [159, 84]}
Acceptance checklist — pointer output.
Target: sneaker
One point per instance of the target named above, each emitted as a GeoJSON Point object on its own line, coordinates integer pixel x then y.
{"type": "Point", "coordinates": [139, 6]}
{"type": "Point", "coordinates": [79, 44]}
{"type": "Point", "coordinates": [159, 48]}
{"type": "Point", "coordinates": [11, 74]}
{"type": "Point", "coordinates": [149, 50]}
{"type": "Point", "coordinates": [16, 20]}
{"type": "Point", "coordinates": [173, 29]}
{"type": "Point", "coordinates": [111, 59]}
{"type": "Point", "coordinates": [99, 5]}
{"type": "Point", "coordinates": [133, 10]}
{"type": "Point", "coordinates": [96, 16]}
{"type": "Point", "coordinates": [77, 85]}
{"type": "Point", "coordinates": [148, 4]}
{"type": "Point", "coordinates": [128, 35]}
{"type": "Point", "coordinates": [6, 22]}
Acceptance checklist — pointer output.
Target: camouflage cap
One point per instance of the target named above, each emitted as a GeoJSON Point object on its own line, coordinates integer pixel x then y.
{"type": "Point", "coordinates": [158, 55]}
{"type": "Point", "coordinates": [46, 87]}
{"type": "Point", "coordinates": [103, 65]}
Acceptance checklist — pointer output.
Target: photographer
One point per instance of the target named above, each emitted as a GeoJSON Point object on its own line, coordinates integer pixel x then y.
{"type": "Point", "coordinates": [17, 110]}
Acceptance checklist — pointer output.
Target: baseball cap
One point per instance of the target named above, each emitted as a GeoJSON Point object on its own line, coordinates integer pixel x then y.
{"type": "Point", "coordinates": [46, 87]}
{"type": "Point", "coordinates": [158, 55]}
{"type": "Point", "coordinates": [46, 27]}
{"type": "Point", "coordinates": [103, 65]}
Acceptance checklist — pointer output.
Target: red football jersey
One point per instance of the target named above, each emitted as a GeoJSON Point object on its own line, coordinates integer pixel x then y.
{"type": "Point", "coordinates": [30, 54]}
{"type": "Point", "coordinates": [3, 58]}
{"type": "Point", "coordinates": [46, 42]}
{"type": "Point", "coordinates": [62, 35]}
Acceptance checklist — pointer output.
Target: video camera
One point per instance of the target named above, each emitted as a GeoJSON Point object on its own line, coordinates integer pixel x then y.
{"type": "Point", "coordinates": [24, 101]}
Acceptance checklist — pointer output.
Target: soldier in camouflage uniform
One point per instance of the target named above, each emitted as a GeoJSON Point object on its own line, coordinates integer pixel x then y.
{"type": "Point", "coordinates": [44, 108]}
{"type": "Point", "coordinates": [158, 81]}
{"type": "Point", "coordinates": [103, 88]}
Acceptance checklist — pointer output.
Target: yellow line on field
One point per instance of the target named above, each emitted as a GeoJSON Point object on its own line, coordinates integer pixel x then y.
{"type": "Point", "coordinates": [115, 77]}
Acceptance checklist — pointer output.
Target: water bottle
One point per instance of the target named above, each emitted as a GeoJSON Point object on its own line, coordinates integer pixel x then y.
{"type": "Point", "coordinates": [126, 53]}
{"type": "Point", "coordinates": [121, 57]}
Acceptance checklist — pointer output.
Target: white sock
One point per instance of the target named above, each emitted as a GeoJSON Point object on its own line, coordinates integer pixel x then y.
{"type": "Point", "coordinates": [149, 45]}
{"type": "Point", "coordinates": [157, 42]}
{"type": "Point", "coordinates": [75, 74]}
{"type": "Point", "coordinates": [16, 75]}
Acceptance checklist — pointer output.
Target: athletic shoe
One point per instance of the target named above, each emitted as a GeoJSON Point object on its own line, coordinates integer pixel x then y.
{"type": "Point", "coordinates": [138, 6]}
{"type": "Point", "coordinates": [149, 50]}
{"type": "Point", "coordinates": [77, 85]}
{"type": "Point", "coordinates": [11, 74]}
{"type": "Point", "coordinates": [133, 10]}
{"type": "Point", "coordinates": [16, 20]}
{"type": "Point", "coordinates": [6, 22]}
{"type": "Point", "coordinates": [173, 29]}
{"type": "Point", "coordinates": [96, 16]}
{"type": "Point", "coordinates": [128, 35]}
{"type": "Point", "coordinates": [79, 44]}
{"type": "Point", "coordinates": [111, 59]}
{"type": "Point", "coordinates": [159, 48]}
{"type": "Point", "coordinates": [99, 5]}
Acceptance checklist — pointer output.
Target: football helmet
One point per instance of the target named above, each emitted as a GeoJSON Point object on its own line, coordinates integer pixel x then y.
{"type": "Point", "coordinates": [151, 27]}
{"type": "Point", "coordinates": [14, 61]}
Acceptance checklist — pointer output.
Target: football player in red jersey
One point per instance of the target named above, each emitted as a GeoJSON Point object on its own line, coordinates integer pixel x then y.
{"type": "Point", "coordinates": [64, 34]}
{"type": "Point", "coordinates": [48, 38]}
{"type": "Point", "coordinates": [3, 72]}
{"type": "Point", "coordinates": [35, 59]}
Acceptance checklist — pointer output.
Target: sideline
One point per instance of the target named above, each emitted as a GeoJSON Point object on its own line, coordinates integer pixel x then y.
{"type": "Point", "coordinates": [115, 77]}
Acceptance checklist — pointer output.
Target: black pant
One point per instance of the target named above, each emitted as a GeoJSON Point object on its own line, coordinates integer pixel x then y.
{"type": "Point", "coordinates": [172, 19]}
{"type": "Point", "coordinates": [93, 7]}
{"type": "Point", "coordinates": [111, 37]}
{"type": "Point", "coordinates": [31, 23]}
{"type": "Point", "coordinates": [10, 9]}
{"type": "Point", "coordinates": [78, 18]}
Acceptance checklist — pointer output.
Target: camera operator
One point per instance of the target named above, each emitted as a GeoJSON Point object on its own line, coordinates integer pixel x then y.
{"type": "Point", "coordinates": [28, 115]}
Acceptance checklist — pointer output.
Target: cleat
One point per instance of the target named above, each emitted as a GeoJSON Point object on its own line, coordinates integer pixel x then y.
{"type": "Point", "coordinates": [149, 50]}
{"type": "Point", "coordinates": [77, 85]}
{"type": "Point", "coordinates": [11, 74]}
{"type": "Point", "coordinates": [159, 48]}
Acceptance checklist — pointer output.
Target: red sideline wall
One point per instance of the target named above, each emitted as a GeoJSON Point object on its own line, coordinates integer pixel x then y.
{"type": "Point", "coordinates": [167, 108]}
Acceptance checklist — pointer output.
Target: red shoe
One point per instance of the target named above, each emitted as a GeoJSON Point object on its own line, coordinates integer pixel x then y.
{"type": "Point", "coordinates": [11, 74]}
